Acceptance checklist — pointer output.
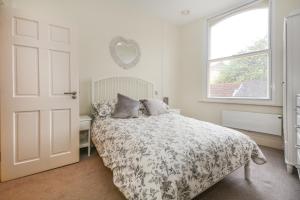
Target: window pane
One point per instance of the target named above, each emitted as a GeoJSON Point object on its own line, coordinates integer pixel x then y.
{"type": "Point", "coordinates": [244, 32]}
{"type": "Point", "coordinates": [247, 76]}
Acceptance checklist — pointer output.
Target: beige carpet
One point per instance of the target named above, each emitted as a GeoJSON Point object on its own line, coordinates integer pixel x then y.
{"type": "Point", "coordinates": [90, 180]}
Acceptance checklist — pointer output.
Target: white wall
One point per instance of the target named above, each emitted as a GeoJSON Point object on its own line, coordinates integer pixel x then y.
{"type": "Point", "coordinates": [98, 21]}
{"type": "Point", "coordinates": [172, 57]}
{"type": "Point", "coordinates": [192, 40]}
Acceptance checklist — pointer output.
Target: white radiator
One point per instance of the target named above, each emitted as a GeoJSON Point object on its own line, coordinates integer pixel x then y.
{"type": "Point", "coordinates": [257, 122]}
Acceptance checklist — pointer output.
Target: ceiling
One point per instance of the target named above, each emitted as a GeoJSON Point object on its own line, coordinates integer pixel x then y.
{"type": "Point", "coordinates": [170, 10]}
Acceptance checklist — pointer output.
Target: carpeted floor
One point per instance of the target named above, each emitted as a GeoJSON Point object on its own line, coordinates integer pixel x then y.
{"type": "Point", "coordinates": [90, 180]}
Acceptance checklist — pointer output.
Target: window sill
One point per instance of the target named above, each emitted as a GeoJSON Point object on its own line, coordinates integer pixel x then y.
{"type": "Point", "coordinates": [257, 102]}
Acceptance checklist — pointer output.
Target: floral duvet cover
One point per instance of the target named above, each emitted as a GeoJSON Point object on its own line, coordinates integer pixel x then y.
{"type": "Point", "coordinates": [170, 156]}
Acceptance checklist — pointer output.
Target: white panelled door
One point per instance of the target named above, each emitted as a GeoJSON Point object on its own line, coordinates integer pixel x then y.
{"type": "Point", "coordinates": [39, 103]}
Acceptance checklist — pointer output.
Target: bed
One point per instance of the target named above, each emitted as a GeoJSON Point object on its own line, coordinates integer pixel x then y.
{"type": "Point", "coordinates": [168, 156]}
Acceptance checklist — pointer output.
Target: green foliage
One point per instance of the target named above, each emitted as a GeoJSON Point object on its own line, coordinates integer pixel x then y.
{"type": "Point", "coordinates": [246, 68]}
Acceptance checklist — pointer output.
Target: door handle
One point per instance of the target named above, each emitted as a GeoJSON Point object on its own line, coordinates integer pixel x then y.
{"type": "Point", "coordinates": [74, 94]}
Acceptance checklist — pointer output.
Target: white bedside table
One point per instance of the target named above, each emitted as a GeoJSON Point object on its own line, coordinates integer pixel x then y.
{"type": "Point", "coordinates": [85, 139]}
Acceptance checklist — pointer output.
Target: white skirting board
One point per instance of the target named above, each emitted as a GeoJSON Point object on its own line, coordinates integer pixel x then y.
{"type": "Point", "coordinates": [250, 121]}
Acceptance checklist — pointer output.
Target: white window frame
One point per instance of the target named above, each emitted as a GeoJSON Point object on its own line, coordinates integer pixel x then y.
{"type": "Point", "coordinates": [205, 72]}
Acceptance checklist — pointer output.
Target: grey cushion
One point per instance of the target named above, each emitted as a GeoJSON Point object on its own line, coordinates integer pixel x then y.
{"type": "Point", "coordinates": [126, 107]}
{"type": "Point", "coordinates": [155, 106]}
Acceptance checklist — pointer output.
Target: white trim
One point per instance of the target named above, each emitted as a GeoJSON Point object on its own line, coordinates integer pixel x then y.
{"type": "Point", "coordinates": [234, 9]}
{"type": "Point", "coordinates": [252, 53]}
{"type": "Point", "coordinates": [204, 70]}
{"type": "Point", "coordinates": [247, 101]}
{"type": "Point", "coordinates": [271, 57]}
{"type": "Point", "coordinates": [293, 14]}
{"type": "Point", "coordinates": [270, 100]}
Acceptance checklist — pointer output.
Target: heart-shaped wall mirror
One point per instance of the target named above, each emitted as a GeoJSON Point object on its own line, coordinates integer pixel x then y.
{"type": "Point", "coordinates": [126, 53]}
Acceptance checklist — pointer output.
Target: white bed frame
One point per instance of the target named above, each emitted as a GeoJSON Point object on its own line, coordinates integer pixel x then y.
{"type": "Point", "coordinates": [108, 88]}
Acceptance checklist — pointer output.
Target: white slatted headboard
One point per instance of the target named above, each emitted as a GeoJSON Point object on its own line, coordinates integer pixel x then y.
{"type": "Point", "coordinates": [107, 89]}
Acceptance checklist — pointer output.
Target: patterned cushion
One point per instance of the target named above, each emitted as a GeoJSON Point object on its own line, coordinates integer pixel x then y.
{"type": "Point", "coordinates": [103, 108]}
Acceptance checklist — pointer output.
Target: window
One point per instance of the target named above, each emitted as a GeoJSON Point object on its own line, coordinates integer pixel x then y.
{"type": "Point", "coordinates": [238, 62]}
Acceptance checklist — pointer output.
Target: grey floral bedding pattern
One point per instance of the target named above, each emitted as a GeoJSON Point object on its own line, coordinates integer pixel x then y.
{"type": "Point", "coordinates": [169, 156]}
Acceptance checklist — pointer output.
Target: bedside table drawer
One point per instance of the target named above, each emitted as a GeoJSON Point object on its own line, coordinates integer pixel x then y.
{"type": "Point", "coordinates": [85, 125]}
